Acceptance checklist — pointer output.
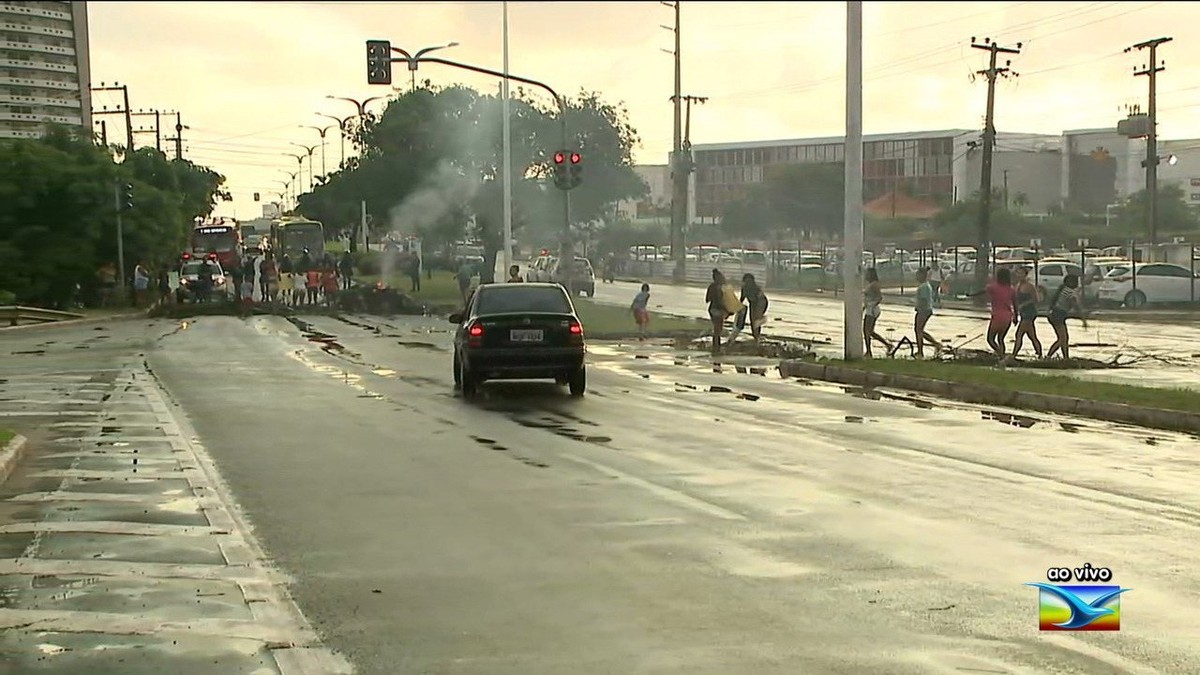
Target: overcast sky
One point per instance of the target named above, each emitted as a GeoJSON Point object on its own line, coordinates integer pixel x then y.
{"type": "Point", "coordinates": [246, 76]}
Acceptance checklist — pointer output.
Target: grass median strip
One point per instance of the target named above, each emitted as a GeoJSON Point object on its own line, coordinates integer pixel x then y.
{"type": "Point", "coordinates": [601, 319]}
{"type": "Point", "coordinates": [1184, 400]}
{"type": "Point", "coordinates": [6, 436]}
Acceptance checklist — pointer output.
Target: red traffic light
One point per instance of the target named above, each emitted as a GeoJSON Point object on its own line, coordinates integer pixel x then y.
{"type": "Point", "coordinates": [575, 158]}
{"type": "Point", "coordinates": [560, 157]}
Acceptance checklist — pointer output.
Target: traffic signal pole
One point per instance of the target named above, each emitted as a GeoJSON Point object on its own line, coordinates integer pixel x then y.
{"type": "Point", "coordinates": [120, 237]}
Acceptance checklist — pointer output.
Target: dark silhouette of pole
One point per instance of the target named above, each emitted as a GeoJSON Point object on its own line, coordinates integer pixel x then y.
{"type": "Point", "coordinates": [344, 127]}
{"type": "Point", "coordinates": [1151, 70]}
{"type": "Point", "coordinates": [993, 72]}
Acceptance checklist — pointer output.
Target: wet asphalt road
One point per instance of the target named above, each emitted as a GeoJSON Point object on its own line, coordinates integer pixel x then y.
{"type": "Point", "coordinates": [1158, 354]}
{"type": "Point", "coordinates": [676, 519]}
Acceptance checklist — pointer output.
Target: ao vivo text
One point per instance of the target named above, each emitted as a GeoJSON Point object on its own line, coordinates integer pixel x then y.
{"type": "Point", "coordinates": [1086, 573]}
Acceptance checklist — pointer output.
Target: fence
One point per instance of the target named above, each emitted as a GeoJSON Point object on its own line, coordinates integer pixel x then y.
{"type": "Point", "coordinates": [15, 314]}
{"type": "Point", "coordinates": [821, 270]}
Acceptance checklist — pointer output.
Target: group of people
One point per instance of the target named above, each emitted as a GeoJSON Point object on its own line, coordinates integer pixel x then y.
{"type": "Point", "coordinates": [1013, 302]}
{"type": "Point", "coordinates": [747, 307]}
{"type": "Point", "coordinates": [307, 280]}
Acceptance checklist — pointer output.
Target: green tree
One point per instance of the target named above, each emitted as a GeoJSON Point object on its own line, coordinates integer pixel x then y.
{"type": "Point", "coordinates": [794, 198]}
{"type": "Point", "coordinates": [432, 162]}
{"type": "Point", "coordinates": [1173, 212]}
{"type": "Point", "coordinates": [58, 201]}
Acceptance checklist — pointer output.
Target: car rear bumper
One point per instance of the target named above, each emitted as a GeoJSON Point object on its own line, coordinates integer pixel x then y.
{"type": "Point", "coordinates": [524, 362]}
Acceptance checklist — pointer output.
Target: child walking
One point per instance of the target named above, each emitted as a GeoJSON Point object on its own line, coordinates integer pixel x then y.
{"type": "Point", "coordinates": [641, 311]}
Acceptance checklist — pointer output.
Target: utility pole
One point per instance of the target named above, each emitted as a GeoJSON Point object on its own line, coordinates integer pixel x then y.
{"type": "Point", "coordinates": [852, 234]}
{"type": "Point", "coordinates": [178, 137]}
{"type": "Point", "coordinates": [679, 174]}
{"type": "Point", "coordinates": [1151, 70]}
{"type": "Point", "coordinates": [124, 89]}
{"type": "Point", "coordinates": [120, 238]}
{"type": "Point", "coordinates": [104, 133]}
{"type": "Point", "coordinates": [993, 72]}
{"type": "Point", "coordinates": [157, 126]}
{"type": "Point", "coordinates": [1006, 189]}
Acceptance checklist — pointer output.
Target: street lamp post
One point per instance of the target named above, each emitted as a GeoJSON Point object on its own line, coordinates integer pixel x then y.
{"type": "Point", "coordinates": [309, 150]}
{"type": "Point", "coordinates": [300, 172]}
{"type": "Point", "coordinates": [344, 127]}
{"type": "Point", "coordinates": [321, 130]}
{"type": "Point", "coordinates": [362, 111]}
{"type": "Point", "coordinates": [292, 182]}
{"type": "Point", "coordinates": [414, 59]}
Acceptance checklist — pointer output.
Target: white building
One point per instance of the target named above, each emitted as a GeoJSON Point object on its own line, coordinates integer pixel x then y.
{"type": "Point", "coordinates": [44, 69]}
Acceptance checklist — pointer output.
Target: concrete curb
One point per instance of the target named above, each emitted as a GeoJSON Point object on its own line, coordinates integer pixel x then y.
{"type": "Point", "coordinates": [1172, 420]}
{"type": "Point", "coordinates": [10, 455]}
{"type": "Point", "coordinates": [77, 322]}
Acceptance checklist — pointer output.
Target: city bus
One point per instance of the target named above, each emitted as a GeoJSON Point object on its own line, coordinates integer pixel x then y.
{"type": "Point", "coordinates": [292, 237]}
{"type": "Point", "coordinates": [223, 238]}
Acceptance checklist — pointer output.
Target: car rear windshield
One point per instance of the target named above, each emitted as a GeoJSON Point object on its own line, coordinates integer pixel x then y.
{"type": "Point", "coordinates": [508, 299]}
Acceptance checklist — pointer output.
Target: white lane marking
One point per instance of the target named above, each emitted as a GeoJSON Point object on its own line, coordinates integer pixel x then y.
{"type": "Point", "coordinates": [112, 527]}
{"type": "Point", "coordinates": [666, 493]}
{"type": "Point", "coordinates": [133, 570]}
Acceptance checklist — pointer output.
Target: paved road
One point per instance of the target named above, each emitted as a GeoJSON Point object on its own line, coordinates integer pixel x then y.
{"type": "Point", "coordinates": [657, 525]}
{"type": "Point", "coordinates": [1166, 354]}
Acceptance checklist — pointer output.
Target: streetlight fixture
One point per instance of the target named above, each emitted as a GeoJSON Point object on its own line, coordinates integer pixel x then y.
{"type": "Point", "coordinates": [344, 127]}
{"type": "Point", "coordinates": [361, 105]}
{"type": "Point", "coordinates": [309, 149]}
{"type": "Point", "coordinates": [299, 172]}
{"type": "Point", "coordinates": [414, 59]}
{"type": "Point", "coordinates": [320, 130]}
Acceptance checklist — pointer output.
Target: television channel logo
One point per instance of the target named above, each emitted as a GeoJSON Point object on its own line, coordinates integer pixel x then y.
{"type": "Point", "coordinates": [1076, 602]}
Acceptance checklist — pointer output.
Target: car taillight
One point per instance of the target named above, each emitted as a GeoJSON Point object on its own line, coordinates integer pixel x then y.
{"type": "Point", "coordinates": [475, 335]}
{"type": "Point", "coordinates": [576, 329]}
{"type": "Point", "coordinates": [575, 332]}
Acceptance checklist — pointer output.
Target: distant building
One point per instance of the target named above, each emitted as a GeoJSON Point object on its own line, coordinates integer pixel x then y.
{"type": "Point", "coordinates": [657, 201]}
{"type": "Point", "coordinates": [44, 68]}
{"type": "Point", "coordinates": [1082, 170]}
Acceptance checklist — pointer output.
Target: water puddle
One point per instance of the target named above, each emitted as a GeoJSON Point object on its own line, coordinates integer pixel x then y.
{"type": "Point", "coordinates": [1007, 418]}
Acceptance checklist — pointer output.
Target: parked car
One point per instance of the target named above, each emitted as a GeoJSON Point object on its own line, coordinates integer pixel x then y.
{"type": "Point", "coordinates": [1049, 273]}
{"type": "Point", "coordinates": [1095, 272]}
{"type": "Point", "coordinates": [519, 332]}
{"type": "Point", "coordinates": [1140, 284]}
{"type": "Point", "coordinates": [580, 277]}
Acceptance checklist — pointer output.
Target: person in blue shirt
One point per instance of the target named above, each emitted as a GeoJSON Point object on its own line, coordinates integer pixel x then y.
{"type": "Point", "coordinates": [927, 299]}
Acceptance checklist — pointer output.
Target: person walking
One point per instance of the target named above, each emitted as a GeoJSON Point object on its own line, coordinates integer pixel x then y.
{"type": "Point", "coordinates": [141, 284]}
{"type": "Point", "coordinates": [928, 298]}
{"type": "Point", "coordinates": [752, 309]}
{"type": "Point", "coordinates": [1026, 298]}
{"type": "Point", "coordinates": [641, 311]}
{"type": "Point", "coordinates": [1066, 300]}
{"type": "Point", "coordinates": [1003, 299]}
{"type": "Point", "coordinates": [872, 301]}
{"type": "Point", "coordinates": [346, 269]}
{"type": "Point", "coordinates": [722, 301]}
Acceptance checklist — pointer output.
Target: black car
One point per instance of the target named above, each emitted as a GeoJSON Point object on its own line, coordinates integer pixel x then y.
{"type": "Point", "coordinates": [519, 331]}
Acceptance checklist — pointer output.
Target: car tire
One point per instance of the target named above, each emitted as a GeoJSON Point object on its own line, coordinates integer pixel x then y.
{"type": "Point", "coordinates": [577, 382]}
{"type": "Point", "coordinates": [1135, 299]}
{"type": "Point", "coordinates": [469, 383]}
{"type": "Point", "coordinates": [457, 372]}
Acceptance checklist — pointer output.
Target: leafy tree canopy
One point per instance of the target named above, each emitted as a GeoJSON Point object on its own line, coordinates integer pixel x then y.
{"type": "Point", "coordinates": [431, 164]}
{"type": "Point", "coordinates": [58, 207]}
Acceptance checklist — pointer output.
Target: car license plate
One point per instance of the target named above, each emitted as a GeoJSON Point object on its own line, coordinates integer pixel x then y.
{"type": "Point", "coordinates": [526, 335]}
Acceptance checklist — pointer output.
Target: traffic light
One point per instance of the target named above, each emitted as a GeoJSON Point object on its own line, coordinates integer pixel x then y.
{"type": "Point", "coordinates": [576, 170]}
{"type": "Point", "coordinates": [379, 62]}
{"type": "Point", "coordinates": [257, 196]}
{"type": "Point", "coordinates": [562, 178]}
{"type": "Point", "coordinates": [128, 202]}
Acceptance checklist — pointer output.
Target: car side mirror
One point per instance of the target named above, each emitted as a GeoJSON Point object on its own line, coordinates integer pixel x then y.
{"type": "Point", "coordinates": [455, 318]}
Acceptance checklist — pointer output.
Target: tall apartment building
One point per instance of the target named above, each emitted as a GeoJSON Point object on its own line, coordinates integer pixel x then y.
{"type": "Point", "coordinates": [44, 70]}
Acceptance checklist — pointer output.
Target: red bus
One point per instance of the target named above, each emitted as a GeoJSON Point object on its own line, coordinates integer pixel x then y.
{"type": "Point", "coordinates": [223, 239]}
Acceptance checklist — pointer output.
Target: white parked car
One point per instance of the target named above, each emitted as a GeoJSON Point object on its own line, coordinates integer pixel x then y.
{"type": "Point", "coordinates": [539, 270]}
{"type": "Point", "coordinates": [1155, 283]}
